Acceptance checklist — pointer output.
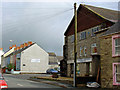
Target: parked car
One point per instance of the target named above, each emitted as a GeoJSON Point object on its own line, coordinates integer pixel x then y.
{"type": "Point", "coordinates": [3, 83]}
{"type": "Point", "coordinates": [51, 71]}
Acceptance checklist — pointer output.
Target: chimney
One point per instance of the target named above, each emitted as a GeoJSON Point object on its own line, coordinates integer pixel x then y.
{"type": "Point", "coordinates": [1, 49]}
{"type": "Point", "coordinates": [29, 43]}
{"type": "Point", "coordinates": [18, 48]}
{"type": "Point", "coordinates": [26, 44]}
{"type": "Point", "coordinates": [10, 47]}
{"type": "Point", "coordinates": [21, 46]}
{"type": "Point", "coordinates": [15, 49]}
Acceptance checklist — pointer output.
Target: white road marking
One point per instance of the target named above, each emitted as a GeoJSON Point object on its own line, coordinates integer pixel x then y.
{"type": "Point", "coordinates": [19, 85]}
{"type": "Point", "coordinates": [32, 81]}
{"type": "Point", "coordinates": [6, 80]}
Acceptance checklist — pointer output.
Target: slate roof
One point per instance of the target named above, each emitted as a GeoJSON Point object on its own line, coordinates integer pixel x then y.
{"type": "Point", "coordinates": [108, 14]}
{"type": "Point", "coordinates": [104, 14]}
{"type": "Point", "coordinates": [114, 29]}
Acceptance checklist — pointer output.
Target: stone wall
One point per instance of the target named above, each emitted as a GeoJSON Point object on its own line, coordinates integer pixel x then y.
{"type": "Point", "coordinates": [69, 42]}
{"type": "Point", "coordinates": [106, 62]}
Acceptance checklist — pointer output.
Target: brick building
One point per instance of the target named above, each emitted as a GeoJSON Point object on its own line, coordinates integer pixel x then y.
{"type": "Point", "coordinates": [90, 20]}
{"type": "Point", "coordinates": [110, 57]}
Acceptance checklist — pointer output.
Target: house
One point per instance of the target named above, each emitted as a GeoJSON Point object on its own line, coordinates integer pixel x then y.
{"type": "Point", "coordinates": [53, 61]}
{"type": "Point", "coordinates": [90, 19]}
{"type": "Point", "coordinates": [110, 57]}
{"type": "Point", "coordinates": [28, 58]}
{"type": "Point", "coordinates": [1, 53]}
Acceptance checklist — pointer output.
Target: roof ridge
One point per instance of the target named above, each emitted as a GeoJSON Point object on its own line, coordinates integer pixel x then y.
{"type": "Point", "coordinates": [99, 7]}
{"type": "Point", "coordinates": [95, 12]}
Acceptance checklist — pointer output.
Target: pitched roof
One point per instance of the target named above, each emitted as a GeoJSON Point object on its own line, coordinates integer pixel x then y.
{"type": "Point", "coordinates": [51, 54]}
{"type": "Point", "coordinates": [108, 14]}
{"type": "Point", "coordinates": [60, 58]}
{"type": "Point", "coordinates": [103, 15]}
{"type": "Point", "coordinates": [114, 29]}
{"type": "Point", "coordinates": [20, 50]}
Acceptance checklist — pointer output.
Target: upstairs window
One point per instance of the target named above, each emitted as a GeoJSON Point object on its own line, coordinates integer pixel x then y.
{"type": "Point", "coordinates": [83, 35]}
{"type": "Point", "coordinates": [96, 29]}
{"type": "Point", "coordinates": [116, 45]}
{"type": "Point", "coordinates": [72, 39]}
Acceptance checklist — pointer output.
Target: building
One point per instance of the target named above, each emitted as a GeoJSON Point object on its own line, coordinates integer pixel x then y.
{"type": "Point", "coordinates": [28, 58]}
{"type": "Point", "coordinates": [53, 61]}
{"type": "Point", "coordinates": [90, 19]}
{"type": "Point", "coordinates": [110, 57]}
{"type": "Point", "coordinates": [1, 53]}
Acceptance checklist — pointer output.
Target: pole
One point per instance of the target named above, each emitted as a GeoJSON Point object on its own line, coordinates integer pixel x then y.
{"type": "Point", "coordinates": [75, 46]}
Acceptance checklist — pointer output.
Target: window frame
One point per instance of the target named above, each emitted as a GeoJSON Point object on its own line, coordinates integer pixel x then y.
{"type": "Point", "coordinates": [80, 51]}
{"type": "Point", "coordinates": [113, 45]}
{"type": "Point", "coordinates": [94, 45]}
{"type": "Point", "coordinates": [85, 51]}
{"type": "Point", "coordinates": [83, 35]}
{"type": "Point", "coordinates": [114, 74]}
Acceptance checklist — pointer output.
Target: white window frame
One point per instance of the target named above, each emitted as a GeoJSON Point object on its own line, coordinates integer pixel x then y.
{"type": "Point", "coordinates": [93, 46]}
{"type": "Point", "coordinates": [80, 51]}
{"type": "Point", "coordinates": [85, 51]}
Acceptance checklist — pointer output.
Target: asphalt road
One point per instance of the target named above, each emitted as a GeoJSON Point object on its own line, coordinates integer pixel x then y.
{"type": "Point", "coordinates": [23, 83]}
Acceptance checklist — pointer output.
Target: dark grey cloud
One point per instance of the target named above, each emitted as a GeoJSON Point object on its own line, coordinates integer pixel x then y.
{"type": "Point", "coordinates": [40, 22]}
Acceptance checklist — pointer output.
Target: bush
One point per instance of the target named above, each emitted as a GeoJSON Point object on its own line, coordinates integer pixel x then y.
{"type": "Point", "coordinates": [10, 66]}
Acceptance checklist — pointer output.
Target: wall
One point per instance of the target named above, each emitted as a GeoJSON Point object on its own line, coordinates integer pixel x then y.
{"type": "Point", "coordinates": [81, 43]}
{"type": "Point", "coordinates": [106, 62]}
{"type": "Point", "coordinates": [34, 52]}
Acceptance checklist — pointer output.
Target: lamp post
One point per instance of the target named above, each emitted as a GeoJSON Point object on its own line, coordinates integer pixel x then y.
{"type": "Point", "coordinates": [75, 46]}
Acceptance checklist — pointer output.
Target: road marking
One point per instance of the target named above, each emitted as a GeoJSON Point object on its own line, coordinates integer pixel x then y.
{"type": "Point", "coordinates": [6, 80]}
{"type": "Point", "coordinates": [33, 81]}
{"type": "Point", "coordinates": [19, 85]}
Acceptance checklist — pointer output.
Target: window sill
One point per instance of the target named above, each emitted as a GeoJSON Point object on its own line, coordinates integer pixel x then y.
{"type": "Point", "coordinates": [116, 56]}
{"type": "Point", "coordinates": [116, 84]}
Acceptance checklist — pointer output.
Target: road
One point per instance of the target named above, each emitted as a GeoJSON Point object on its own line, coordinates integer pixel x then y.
{"type": "Point", "coordinates": [24, 83]}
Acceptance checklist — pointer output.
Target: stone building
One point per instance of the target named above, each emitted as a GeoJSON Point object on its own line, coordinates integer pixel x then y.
{"type": "Point", "coordinates": [110, 57]}
{"type": "Point", "coordinates": [90, 19]}
{"type": "Point", "coordinates": [53, 61]}
{"type": "Point", "coordinates": [28, 58]}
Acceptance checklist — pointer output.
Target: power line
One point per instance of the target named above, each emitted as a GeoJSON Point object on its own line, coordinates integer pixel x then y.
{"type": "Point", "coordinates": [49, 17]}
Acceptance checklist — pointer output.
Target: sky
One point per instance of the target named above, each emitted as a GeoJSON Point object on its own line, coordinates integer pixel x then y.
{"type": "Point", "coordinates": [43, 22]}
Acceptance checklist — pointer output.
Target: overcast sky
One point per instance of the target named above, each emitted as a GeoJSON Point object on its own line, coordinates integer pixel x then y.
{"type": "Point", "coordinates": [40, 22]}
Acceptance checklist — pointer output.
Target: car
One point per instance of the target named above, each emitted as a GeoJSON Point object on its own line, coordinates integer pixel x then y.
{"type": "Point", "coordinates": [51, 71]}
{"type": "Point", "coordinates": [3, 84]}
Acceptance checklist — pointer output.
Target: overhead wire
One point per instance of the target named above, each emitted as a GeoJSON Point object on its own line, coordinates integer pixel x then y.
{"type": "Point", "coordinates": [38, 20]}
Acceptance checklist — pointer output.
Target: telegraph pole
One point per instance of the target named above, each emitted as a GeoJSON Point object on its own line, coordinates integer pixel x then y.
{"type": "Point", "coordinates": [75, 46]}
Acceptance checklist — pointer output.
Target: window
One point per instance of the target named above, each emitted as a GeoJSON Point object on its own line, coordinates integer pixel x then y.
{"type": "Point", "coordinates": [116, 45]}
{"type": "Point", "coordinates": [85, 51]}
{"type": "Point", "coordinates": [83, 35]}
{"type": "Point", "coordinates": [96, 29]}
{"type": "Point", "coordinates": [72, 38]}
{"type": "Point", "coordinates": [116, 73]}
{"type": "Point", "coordinates": [93, 49]}
{"type": "Point", "coordinates": [71, 53]}
{"type": "Point", "coordinates": [81, 51]}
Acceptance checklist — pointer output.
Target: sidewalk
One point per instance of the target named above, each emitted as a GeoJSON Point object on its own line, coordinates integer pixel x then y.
{"type": "Point", "coordinates": [61, 81]}
{"type": "Point", "coordinates": [64, 82]}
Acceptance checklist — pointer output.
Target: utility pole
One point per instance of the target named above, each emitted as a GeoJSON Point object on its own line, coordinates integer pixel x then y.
{"type": "Point", "coordinates": [75, 46]}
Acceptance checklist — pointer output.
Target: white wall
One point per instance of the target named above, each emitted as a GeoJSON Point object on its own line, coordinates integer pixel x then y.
{"type": "Point", "coordinates": [34, 52]}
{"type": "Point", "coordinates": [1, 53]}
